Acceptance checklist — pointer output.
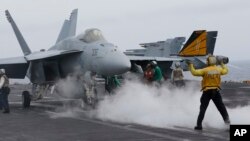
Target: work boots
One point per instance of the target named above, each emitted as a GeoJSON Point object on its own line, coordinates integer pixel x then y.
{"type": "Point", "coordinates": [227, 121]}
{"type": "Point", "coordinates": [198, 127]}
{"type": "Point", "coordinates": [6, 111]}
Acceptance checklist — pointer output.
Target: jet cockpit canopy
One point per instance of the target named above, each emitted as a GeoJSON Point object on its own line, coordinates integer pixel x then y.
{"type": "Point", "coordinates": [91, 35]}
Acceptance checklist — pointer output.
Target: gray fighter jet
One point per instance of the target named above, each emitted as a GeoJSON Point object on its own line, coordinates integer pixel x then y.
{"type": "Point", "coordinates": [200, 44]}
{"type": "Point", "coordinates": [87, 52]}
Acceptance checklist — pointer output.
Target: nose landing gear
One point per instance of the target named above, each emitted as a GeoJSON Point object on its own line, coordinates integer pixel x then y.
{"type": "Point", "coordinates": [26, 98]}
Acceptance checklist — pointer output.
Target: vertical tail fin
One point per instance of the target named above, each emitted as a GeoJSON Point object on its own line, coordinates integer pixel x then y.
{"type": "Point", "coordinates": [211, 40]}
{"type": "Point", "coordinates": [69, 27]}
{"type": "Point", "coordinates": [175, 45]}
{"type": "Point", "coordinates": [200, 43]}
{"type": "Point", "coordinates": [26, 50]}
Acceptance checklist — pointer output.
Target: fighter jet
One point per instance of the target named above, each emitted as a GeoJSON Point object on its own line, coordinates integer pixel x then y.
{"type": "Point", "coordinates": [86, 52]}
{"type": "Point", "coordinates": [200, 44]}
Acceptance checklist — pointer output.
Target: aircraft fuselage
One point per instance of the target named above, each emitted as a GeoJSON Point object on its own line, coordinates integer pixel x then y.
{"type": "Point", "coordinates": [101, 57]}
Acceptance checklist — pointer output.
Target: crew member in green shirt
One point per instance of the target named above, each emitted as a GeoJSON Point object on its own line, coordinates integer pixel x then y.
{"type": "Point", "coordinates": [157, 72]}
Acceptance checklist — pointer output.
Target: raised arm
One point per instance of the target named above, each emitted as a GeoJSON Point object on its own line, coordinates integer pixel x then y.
{"type": "Point", "coordinates": [194, 71]}
{"type": "Point", "coordinates": [224, 69]}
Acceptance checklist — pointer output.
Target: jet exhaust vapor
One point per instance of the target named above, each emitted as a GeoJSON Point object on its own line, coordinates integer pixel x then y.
{"type": "Point", "coordinates": [164, 107]}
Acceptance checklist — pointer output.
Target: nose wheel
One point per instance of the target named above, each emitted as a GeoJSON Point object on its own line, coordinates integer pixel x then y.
{"type": "Point", "coordinates": [26, 98]}
{"type": "Point", "coordinates": [90, 99]}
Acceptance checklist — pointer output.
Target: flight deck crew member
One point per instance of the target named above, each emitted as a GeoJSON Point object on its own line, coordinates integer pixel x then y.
{"type": "Point", "coordinates": [177, 75]}
{"type": "Point", "coordinates": [1, 96]}
{"type": "Point", "coordinates": [158, 78]}
{"type": "Point", "coordinates": [111, 83]}
{"type": "Point", "coordinates": [157, 71]}
{"type": "Point", "coordinates": [210, 87]}
{"type": "Point", "coordinates": [4, 91]}
{"type": "Point", "coordinates": [149, 73]}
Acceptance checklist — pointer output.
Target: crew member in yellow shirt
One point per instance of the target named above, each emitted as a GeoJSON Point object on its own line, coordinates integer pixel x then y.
{"type": "Point", "coordinates": [210, 86]}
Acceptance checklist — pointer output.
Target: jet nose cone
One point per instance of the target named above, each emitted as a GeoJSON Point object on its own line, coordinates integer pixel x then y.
{"type": "Point", "coordinates": [121, 65]}
{"type": "Point", "coordinates": [115, 64]}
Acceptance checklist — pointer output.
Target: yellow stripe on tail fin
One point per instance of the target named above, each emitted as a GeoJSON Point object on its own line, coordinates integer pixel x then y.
{"type": "Point", "coordinates": [196, 44]}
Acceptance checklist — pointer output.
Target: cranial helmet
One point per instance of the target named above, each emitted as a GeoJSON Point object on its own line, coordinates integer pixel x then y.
{"type": "Point", "coordinates": [211, 60]}
{"type": "Point", "coordinates": [177, 64]}
{"type": "Point", "coordinates": [2, 71]}
{"type": "Point", "coordinates": [153, 63]}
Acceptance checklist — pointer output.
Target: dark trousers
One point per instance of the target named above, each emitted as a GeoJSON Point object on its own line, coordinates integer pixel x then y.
{"type": "Point", "coordinates": [1, 101]}
{"type": "Point", "coordinates": [215, 95]}
{"type": "Point", "coordinates": [4, 100]}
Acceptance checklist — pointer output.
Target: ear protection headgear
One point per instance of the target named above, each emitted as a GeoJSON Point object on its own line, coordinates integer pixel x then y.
{"type": "Point", "coordinates": [211, 60]}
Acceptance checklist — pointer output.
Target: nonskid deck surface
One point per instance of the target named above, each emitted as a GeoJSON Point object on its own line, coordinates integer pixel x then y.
{"type": "Point", "coordinates": [47, 120]}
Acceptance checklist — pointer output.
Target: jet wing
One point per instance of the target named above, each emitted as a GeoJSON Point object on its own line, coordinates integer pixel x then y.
{"type": "Point", "coordinates": [51, 65]}
{"type": "Point", "coordinates": [149, 58]}
{"type": "Point", "coordinates": [199, 62]}
{"type": "Point", "coordinates": [50, 54]}
{"type": "Point", "coordinates": [14, 67]}
{"type": "Point", "coordinates": [17, 67]}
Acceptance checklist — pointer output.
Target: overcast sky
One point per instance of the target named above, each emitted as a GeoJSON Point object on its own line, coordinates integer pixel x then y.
{"type": "Point", "coordinates": [127, 23]}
